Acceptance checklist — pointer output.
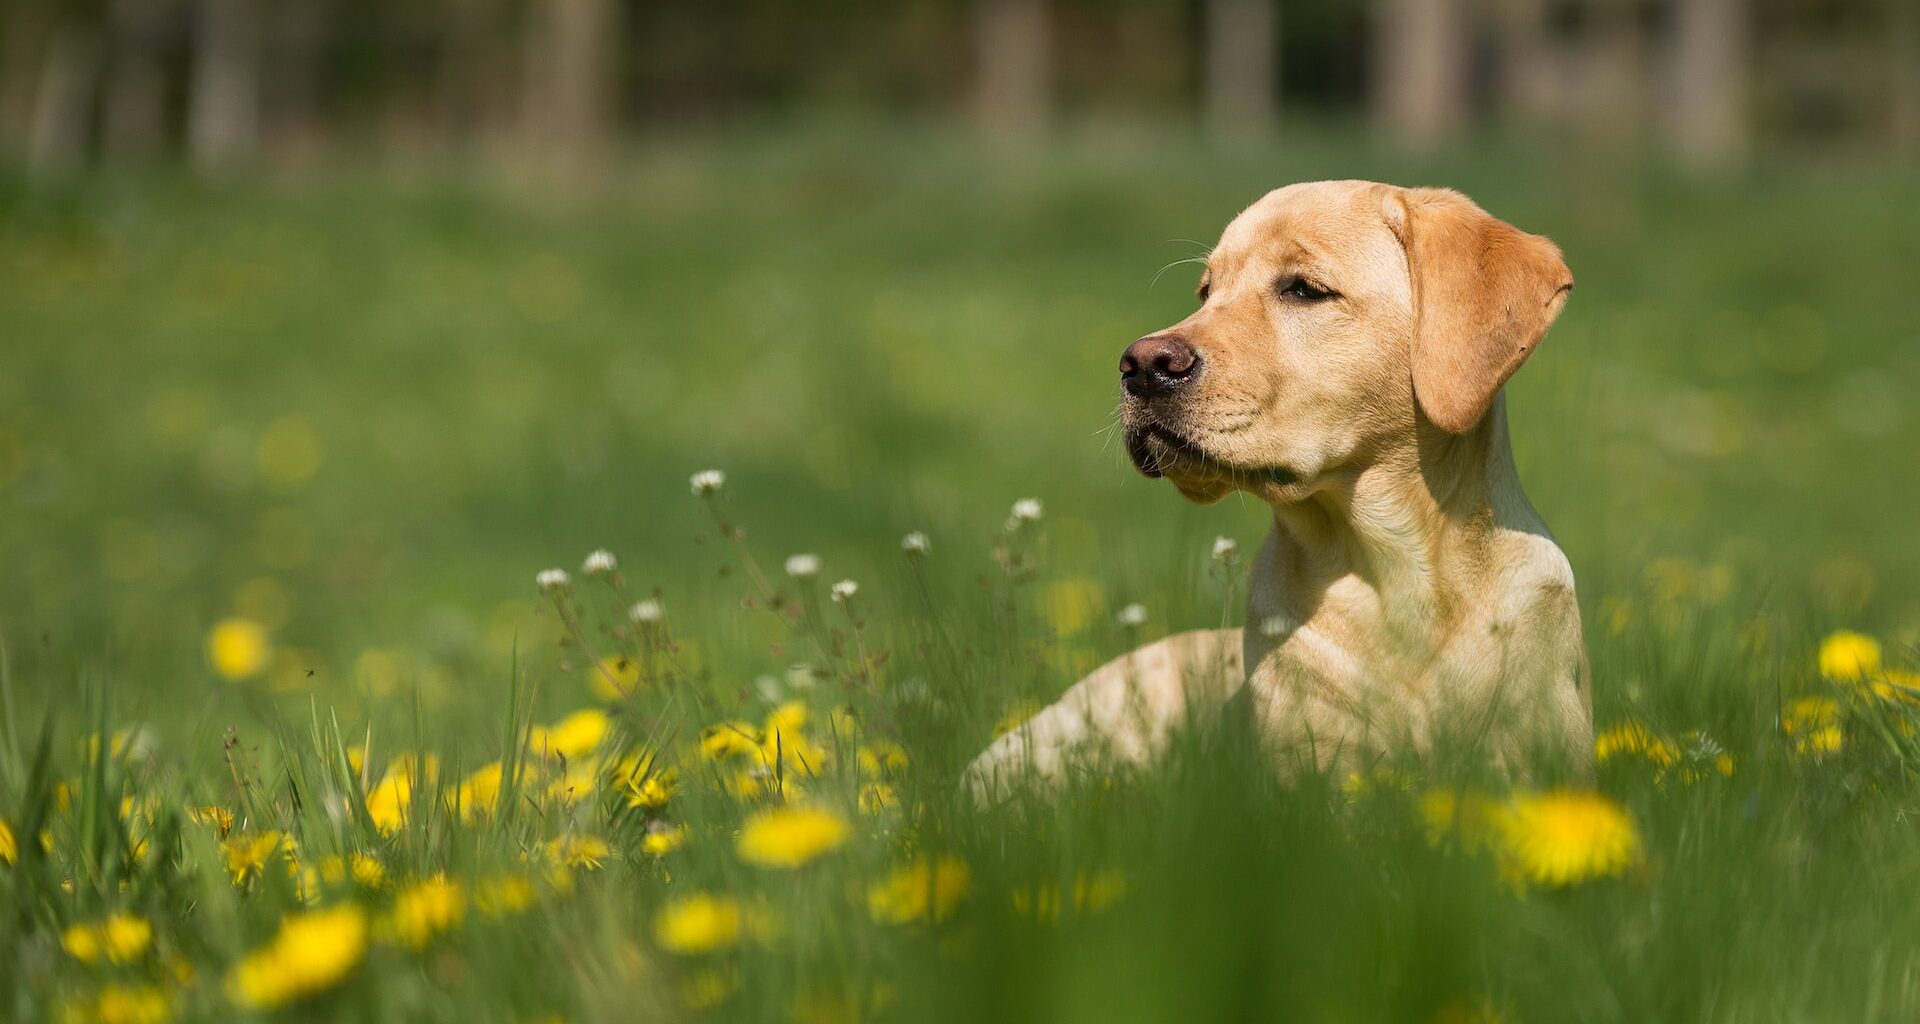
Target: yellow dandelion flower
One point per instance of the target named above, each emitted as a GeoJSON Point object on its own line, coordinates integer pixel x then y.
{"type": "Point", "coordinates": [1846, 656]}
{"type": "Point", "coordinates": [82, 942]}
{"type": "Point", "coordinates": [877, 798]}
{"type": "Point", "coordinates": [388, 802]}
{"type": "Point", "coordinates": [121, 938]}
{"type": "Point", "coordinates": [883, 757]}
{"type": "Point", "coordinates": [726, 740]}
{"type": "Point", "coordinates": [127, 937]}
{"type": "Point", "coordinates": [708, 987]}
{"type": "Point", "coordinates": [1099, 890]}
{"type": "Point", "coordinates": [1565, 837]}
{"type": "Point", "coordinates": [790, 837]}
{"type": "Point", "coordinates": [578, 851]}
{"type": "Point", "coordinates": [614, 677]}
{"type": "Point", "coordinates": [793, 754]}
{"type": "Point", "coordinates": [1813, 725]}
{"type": "Point", "coordinates": [652, 792]}
{"type": "Point", "coordinates": [1632, 738]}
{"type": "Point", "coordinates": [661, 842]}
{"type": "Point", "coordinates": [573, 736]}
{"type": "Point", "coordinates": [430, 907]}
{"type": "Point", "coordinates": [1091, 893]}
{"type": "Point", "coordinates": [789, 718]}
{"type": "Point", "coordinates": [121, 1004]}
{"type": "Point", "coordinates": [751, 783]}
{"type": "Point", "coordinates": [247, 853]}
{"type": "Point", "coordinates": [312, 952]}
{"type": "Point", "coordinates": [840, 1006]}
{"type": "Point", "coordinates": [238, 648]}
{"type": "Point", "coordinates": [365, 869]}
{"type": "Point", "coordinates": [843, 723]}
{"type": "Point", "coordinates": [212, 814]}
{"type": "Point", "coordinates": [504, 894]}
{"type": "Point", "coordinates": [478, 793]}
{"type": "Point", "coordinates": [9, 846]}
{"type": "Point", "coordinates": [1902, 684]}
{"type": "Point", "coordinates": [1070, 605]}
{"type": "Point", "coordinates": [698, 924]}
{"type": "Point", "coordinates": [580, 779]}
{"type": "Point", "coordinates": [919, 891]}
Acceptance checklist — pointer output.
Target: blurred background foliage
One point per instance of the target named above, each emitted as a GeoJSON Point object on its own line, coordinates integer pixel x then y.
{"type": "Point", "coordinates": [342, 318]}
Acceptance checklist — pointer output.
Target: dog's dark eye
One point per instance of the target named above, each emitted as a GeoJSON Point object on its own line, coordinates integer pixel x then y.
{"type": "Point", "coordinates": [1300, 288]}
{"type": "Point", "coordinates": [1203, 291]}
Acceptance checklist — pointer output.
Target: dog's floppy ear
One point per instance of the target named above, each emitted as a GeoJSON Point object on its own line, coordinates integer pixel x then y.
{"type": "Point", "coordinates": [1484, 294]}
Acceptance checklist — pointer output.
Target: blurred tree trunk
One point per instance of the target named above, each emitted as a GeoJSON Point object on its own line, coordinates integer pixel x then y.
{"type": "Point", "coordinates": [471, 70]}
{"type": "Point", "coordinates": [23, 47]}
{"type": "Point", "coordinates": [571, 82]}
{"type": "Point", "coordinates": [1419, 72]}
{"type": "Point", "coordinates": [136, 102]}
{"type": "Point", "coordinates": [1613, 79]}
{"type": "Point", "coordinates": [1530, 93]}
{"type": "Point", "coordinates": [1710, 53]}
{"type": "Point", "coordinates": [1904, 40]}
{"type": "Point", "coordinates": [1242, 66]}
{"type": "Point", "coordinates": [292, 82]}
{"type": "Point", "coordinates": [63, 102]}
{"type": "Point", "coordinates": [1013, 58]}
{"type": "Point", "coordinates": [223, 106]}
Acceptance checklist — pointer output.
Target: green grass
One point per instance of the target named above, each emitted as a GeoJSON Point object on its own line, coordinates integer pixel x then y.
{"type": "Point", "coordinates": [364, 413]}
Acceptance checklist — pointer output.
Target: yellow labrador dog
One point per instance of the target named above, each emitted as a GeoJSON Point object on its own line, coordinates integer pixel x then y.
{"type": "Point", "coordinates": [1345, 367]}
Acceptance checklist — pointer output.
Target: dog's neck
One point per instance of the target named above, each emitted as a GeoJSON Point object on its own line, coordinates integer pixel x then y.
{"type": "Point", "coordinates": [1391, 548]}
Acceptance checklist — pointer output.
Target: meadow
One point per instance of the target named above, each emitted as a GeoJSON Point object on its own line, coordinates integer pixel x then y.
{"type": "Point", "coordinates": [292, 730]}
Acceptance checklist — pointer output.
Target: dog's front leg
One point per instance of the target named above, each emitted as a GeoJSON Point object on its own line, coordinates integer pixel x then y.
{"type": "Point", "coordinates": [1124, 709]}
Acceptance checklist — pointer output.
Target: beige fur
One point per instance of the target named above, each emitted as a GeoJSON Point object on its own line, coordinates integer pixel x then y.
{"type": "Point", "coordinates": [1407, 588]}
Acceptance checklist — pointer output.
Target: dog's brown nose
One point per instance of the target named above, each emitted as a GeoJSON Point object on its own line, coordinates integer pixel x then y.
{"type": "Point", "coordinates": [1156, 364]}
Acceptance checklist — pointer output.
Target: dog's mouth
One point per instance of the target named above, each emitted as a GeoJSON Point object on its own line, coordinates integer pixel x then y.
{"type": "Point", "coordinates": [1158, 451]}
{"type": "Point", "coordinates": [1154, 450]}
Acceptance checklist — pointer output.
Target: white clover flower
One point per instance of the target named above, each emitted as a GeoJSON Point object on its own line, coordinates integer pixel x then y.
{"type": "Point", "coordinates": [844, 591]}
{"type": "Point", "coordinates": [1134, 614]}
{"type": "Point", "coordinates": [914, 543]}
{"type": "Point", "coordinates": [1273, 626]}
{"type": "Point", "coordinates": [647, 612]}
{"type": "Point", "coordinates": [1224, 547]}
{"type": "Point", "coordinates": [708, 481]}
{"type": "Point", "coordinates": [553, 579]}
{"type": "Point", "coordinates": [598, 563]}
{"type": "Point", "coordinates": [803, 566]}
{"type": "Point", "coordinates": [1027, 510]}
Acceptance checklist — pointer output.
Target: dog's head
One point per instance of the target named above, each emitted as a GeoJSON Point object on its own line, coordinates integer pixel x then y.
{"type": "Point", "coordinates": [1337, 319]}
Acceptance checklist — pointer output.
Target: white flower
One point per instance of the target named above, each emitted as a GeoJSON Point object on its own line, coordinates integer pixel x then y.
{"type": "Point", "coordinates": [598, 563]}
{"type": "Point", "coordinates": [708, 481]}
{"type": "Point", "coordinates": [801, 677]}
{"type": "Point", "coordinates": [803, 567]}
{"type": "Point", "coordinates": [1273, 626]}
{"type": "Point", "coordinates": [914, 543]}
{"type": "Point", "coordinates": [771, 689]}
{"type": "Point", "coordinates": [1027, 510]}
{"type": "Point", "coordinates": [1224, 547]}
{"type": "Point", "coordinates": [1134, 614]}
{"type": "Point", "coordinates": [844, 590]}
{"type": "Point", "coordinates": [648, 611]}
{"type": "Point", "coordinates": [553, 579]}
